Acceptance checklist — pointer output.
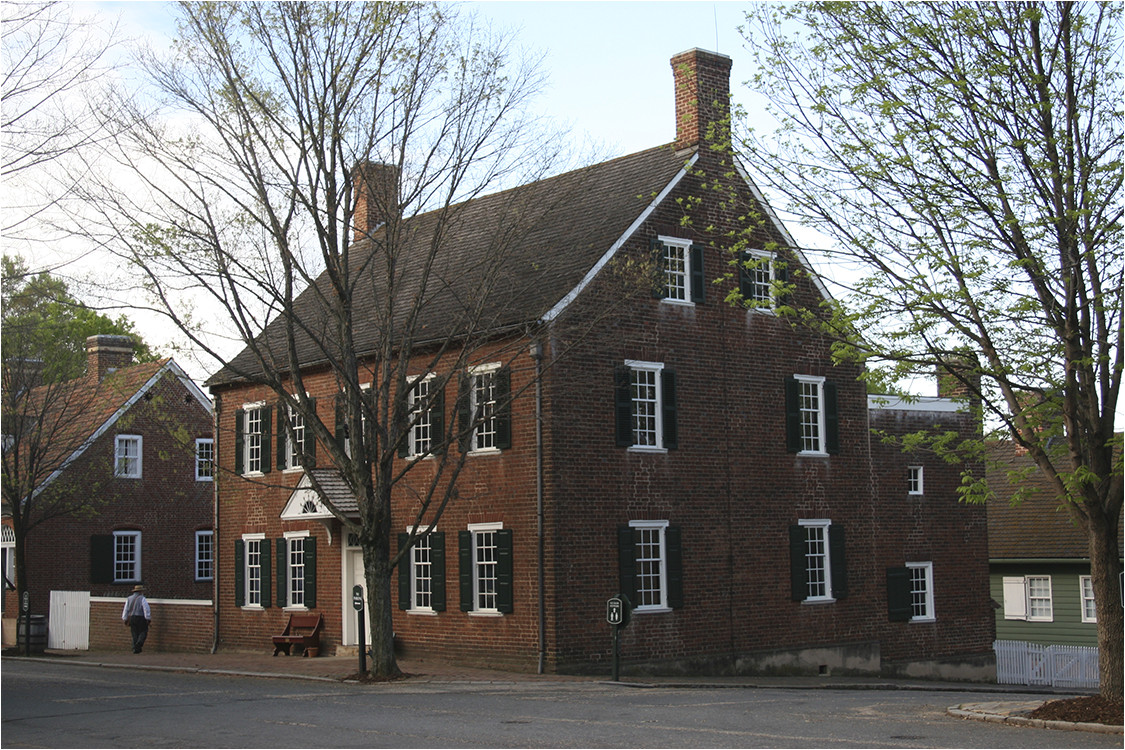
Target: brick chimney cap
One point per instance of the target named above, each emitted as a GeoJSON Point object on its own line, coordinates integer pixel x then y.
{"type": "Point", "coordinates": [109, 341]}
{"type": "Point", "coordinates": [700, 52]}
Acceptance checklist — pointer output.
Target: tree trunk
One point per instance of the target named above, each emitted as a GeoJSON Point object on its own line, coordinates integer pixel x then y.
{"type": "Point", "coordinates": [1105, 573]}
{"type": "Point", "coordinates": [377, 571]}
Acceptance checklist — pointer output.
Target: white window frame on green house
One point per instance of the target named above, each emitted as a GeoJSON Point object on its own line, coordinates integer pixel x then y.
{"type": "Point", "coordinates": [1028, 598]}
{"type": "Point", "coordinates": [1086, 599]}
{"type": "Point", "coordinates": [128, 456]}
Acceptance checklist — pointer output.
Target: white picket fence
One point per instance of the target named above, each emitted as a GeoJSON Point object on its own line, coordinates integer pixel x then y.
{"type": "Point", "coordinates": [1022, 663]}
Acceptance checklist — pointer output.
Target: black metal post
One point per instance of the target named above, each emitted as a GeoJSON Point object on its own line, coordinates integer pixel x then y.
{"type": "Point", "coordinates": [362, 644]}
{"type": "Point", "coordinates": [616, 652]}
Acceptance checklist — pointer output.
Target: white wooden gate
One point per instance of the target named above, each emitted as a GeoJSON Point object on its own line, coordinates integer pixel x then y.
{"type": "Point", "coordinates": [69, 624]}
{"type": "Point", "coordinates": [1022, 663]}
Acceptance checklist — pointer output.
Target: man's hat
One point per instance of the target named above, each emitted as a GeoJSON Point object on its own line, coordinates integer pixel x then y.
{"type": "Point", "coordinates": [137, 588]}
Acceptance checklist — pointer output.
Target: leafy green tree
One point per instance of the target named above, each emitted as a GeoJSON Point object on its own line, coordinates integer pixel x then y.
{"type": "Point", "coordinates": [966, 159]}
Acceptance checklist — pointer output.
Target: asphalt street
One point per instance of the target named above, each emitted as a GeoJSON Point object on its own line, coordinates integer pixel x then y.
{"type": "Point", "coordinates": [59, 705]}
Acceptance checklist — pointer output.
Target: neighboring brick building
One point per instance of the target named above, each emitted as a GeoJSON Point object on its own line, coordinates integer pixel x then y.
{"type": "Point", "coordinates": [137, 453]}
{"type": "Point", "coordinates": [707, 459]}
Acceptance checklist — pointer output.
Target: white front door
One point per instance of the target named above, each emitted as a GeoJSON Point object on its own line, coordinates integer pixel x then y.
{"type": "Point", "coordinates": [354, 576]}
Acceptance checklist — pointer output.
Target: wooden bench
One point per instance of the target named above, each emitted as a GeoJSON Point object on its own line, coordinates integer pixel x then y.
{"type": "Point", "coordinates": [303, 629]}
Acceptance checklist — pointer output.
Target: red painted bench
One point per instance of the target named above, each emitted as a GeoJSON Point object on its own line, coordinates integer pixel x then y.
{"type": "Point", "coordinates": [303, 629]}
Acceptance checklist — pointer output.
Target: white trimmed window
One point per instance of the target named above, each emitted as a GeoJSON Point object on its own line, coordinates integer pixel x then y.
{"type": "Point", "coordinates": [204, 555]}
{"type": "Point", "coordinates": [818, 568]}
{"type": "Point", "coordinates": [1028, 598]}
{"type": "Point", "coordinates": [295, 568]}
{"type": "Point", "coordinates": [420, 441]}
{"type": "Point", "coordinates": [1086, 594]}
{"type": "Point", "coordinates": [253, 444]}
{"type": "Point", "coordinates": [482, 404]}
{"type": "Point", "coordinates": [921, 591]}
{"type": "Point", "coordinates": [675, 259]}
{"type": "Point", "coordinates": [294, 440]}
{"type": "Point", "coordinates": [756, 279]}
{"type": "Point", "coordinates": [646, 406]}
{"type": "Point", "coordinates": [914, 480]}
{"type": "Point", "coordinates": [486, 559]}
{"type": "Point", "coordinates": [127, 456]}
{"type": "Point", "coordinates": [204, 460]}
{"type": "Point", "coordinates": [126, 556]}
{"type": "Point", "coordinates": [810, 394]}
{"type": "Point", "coordinates": [651, 568]}
{"type": "Point", "coordinates": [253, 546]}
{"type": "Point", "coordinates": [422, 575]}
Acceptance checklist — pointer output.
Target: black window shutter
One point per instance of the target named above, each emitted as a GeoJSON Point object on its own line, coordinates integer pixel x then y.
{"type": "Point", "coordinates": [282, 437]}
{"type": "Point", "coordinates": [669, 408]}
{"type": "Point", "coordinates": [798, 566]}
{"type": "Point", "coordinates": [465, 573]}
{"type": "Point", "coordinates": [659, 279]}
{"type": "Point", "coordinates": [282, 553]}
{"type": "Point", "coordinates": [464, 416]}
{"type": "Point", "coordinates": [831, 419]}
{"type": "Point", "coordinates": [745, 286]}
{"type": "Point", "coordinates": [405, 571]}
{"type": "Point", "coordinates": [310, 572]}
{"type": "Point", "coordinates": [310, 438]}
{"type": "Point", "coordinates": [437, 570]}
{"type": "Point", "coordinates": [239, 573]}
{"type": "Point", "coordinates": [504, 571]}
{"type": "Point", "coordinates": [265, 560]}
{"type": "Point", "coordinates": [437, 417]}
{"type": "Point", "coordinates": [698, 278]}
{"type": "Point", "coordinates": [623, 405]}
{"type": "Point", "coordinates": [101, 558]}
{"type": "Point", "coordinates": [267, 416]}
{"type": "Point", "coordinates": [503, 414]}
{"type": "Point", "coordinates": [899, 608]}
{"type": "Point", "coordinates": [781, 273]}
{"type": "Point", "coordinates": [239, 446]}
{"type": "Point", "coordinates": [838, 561]}
{"type": "Point", "coordinates": [627, 562]}
{"type": "Point", "coordinates": [406, 425]}
{"type": "Point", "coordinates": [792, 417]}
{"type": "Point", "coordinates": [341, 422]}
{"type": "Point", "coordinates": [674, 548]}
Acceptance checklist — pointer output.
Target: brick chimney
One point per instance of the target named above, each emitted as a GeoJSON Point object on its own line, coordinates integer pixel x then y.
{"type": "Point", "coordinates": [106, 353]}
{"type": "Point", "coordinates": [702, 82]}
{"type": "Point", "coordinates": [376, 195]}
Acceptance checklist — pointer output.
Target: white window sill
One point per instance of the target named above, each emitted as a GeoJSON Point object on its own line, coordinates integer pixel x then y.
{"type": "Point", "coordinates": [678, 302]}
{"type": "Point", "coordinates": [814, 454]}
{"type": "Point", "coordinates": [485, 452]}
{"type": "Point", "coordinates": [297, 608]}
{"type": "Point", "coordinates": [423, 612]}
{"type": "Point", "coordinates": [293, 470]}
{"type": "Point", "coordinates": [914, 494]}
{"type": "Point", "coordinates": [204, 479]}
{"type": "Point", "coordinates": [253, 474]}
{"type": "Point", "coordinates": [762, 310]}
{"type": "Point", "coordinates": [651, 610]}
{"type": "Point", "coordinates": [923, 619]}
{"type": "Point", "coordinates": [253, 608]}
{"type": "Point", "coordinates": [820, 600]}
{"type": "Point", "coordinates": [645, 449]}
{"type": "Point", "coordinates": [485, 613]}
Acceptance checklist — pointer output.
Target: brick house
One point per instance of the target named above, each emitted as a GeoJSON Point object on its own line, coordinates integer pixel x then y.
{"type": "Point", "coordinates": [136, 449]}
{"type": "Point", "coordinates": [708, 460]}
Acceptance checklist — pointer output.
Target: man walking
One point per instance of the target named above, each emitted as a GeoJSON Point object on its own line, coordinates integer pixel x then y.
{"type": "Point", "coordinates": [137, 616]}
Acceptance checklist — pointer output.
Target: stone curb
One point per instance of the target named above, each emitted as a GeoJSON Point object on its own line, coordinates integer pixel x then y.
{"type": "Point", "coordinates": [965, 711]}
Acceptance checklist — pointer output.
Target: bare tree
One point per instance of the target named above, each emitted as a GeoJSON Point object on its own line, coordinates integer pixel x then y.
{"type": "Point", "coordinates": [967, 161]}
{"type": "Point", "coordinates": [299, 199]}
{"type": "Point", "coordinates": [54, 63]}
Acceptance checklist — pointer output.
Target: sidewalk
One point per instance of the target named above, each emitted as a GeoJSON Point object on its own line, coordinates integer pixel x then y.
{"type": "Point", "coordinates": [345, 669]}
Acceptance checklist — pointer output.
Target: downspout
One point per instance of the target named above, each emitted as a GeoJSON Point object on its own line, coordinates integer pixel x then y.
{"type": "Point", "coordinates": [215, 479]}
{"type": "Point", "coordinates": [537, 355]}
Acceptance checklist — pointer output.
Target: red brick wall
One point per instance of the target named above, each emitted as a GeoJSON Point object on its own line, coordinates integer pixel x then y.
{"type": "Point", "coordinates": [176, 625]}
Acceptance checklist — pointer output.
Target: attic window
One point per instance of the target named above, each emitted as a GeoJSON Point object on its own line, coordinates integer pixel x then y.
{"type": "Point", "coordinates": [309, 507]}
